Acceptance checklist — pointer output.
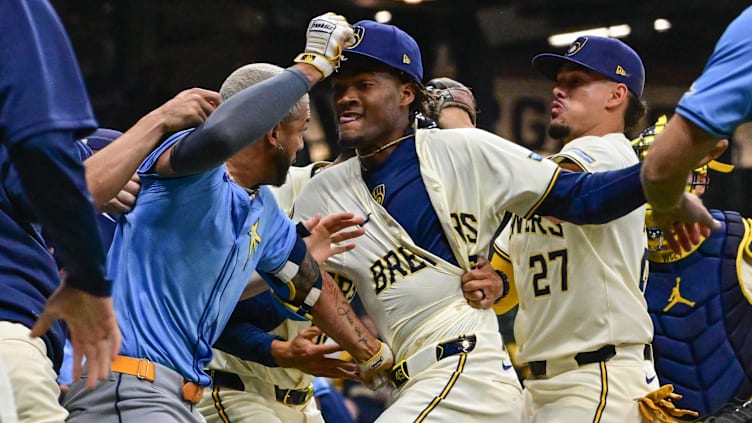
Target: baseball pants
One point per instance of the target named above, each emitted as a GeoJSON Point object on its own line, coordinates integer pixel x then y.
{"type": "Point", "coordinates": [478, 386]}
{"type": "Point", "coordinates": [257, 403]}
{"type": "Point", "coordinates": [604, 391]}
{"type": "Point", "coordinates": [31, 375]}
{"type": "Point", "coordinates": [126, 398]}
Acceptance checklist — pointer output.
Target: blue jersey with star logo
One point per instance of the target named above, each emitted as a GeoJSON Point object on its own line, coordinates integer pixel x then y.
{"type": "Point", "coordinates": [181, 259]}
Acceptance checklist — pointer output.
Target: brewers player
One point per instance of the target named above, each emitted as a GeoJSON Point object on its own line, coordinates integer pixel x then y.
{"type": "Point", "coordinates": [176, 289]}
{"type": "Point", "coordinates": [428, 219]}
{"type": "Point", "coordinates": [716, 103]}
{"type": "Point", "coordinates": [708, 290]}
{"type": "Point", "coordinates": [582, 323]}
{"type": "Point", "coordinates": [262, 379]}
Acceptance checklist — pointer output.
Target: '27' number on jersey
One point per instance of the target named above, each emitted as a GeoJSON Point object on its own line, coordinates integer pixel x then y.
{"type": "Point", "coordinates": [539, 263]}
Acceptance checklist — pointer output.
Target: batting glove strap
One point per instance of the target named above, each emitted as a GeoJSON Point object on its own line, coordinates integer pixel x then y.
{"type": "Point", "coordinates": [375, 371]}
{"type": "Point", "coordinates": [327, 36]}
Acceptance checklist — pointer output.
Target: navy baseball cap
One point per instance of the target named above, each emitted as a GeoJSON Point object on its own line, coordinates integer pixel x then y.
{"type": "Point", "coordinates": [606, 56]}
{"type": "Point", "coordinates": [389, 45]}
{"type": "Point", "coordinates": [101, 138]}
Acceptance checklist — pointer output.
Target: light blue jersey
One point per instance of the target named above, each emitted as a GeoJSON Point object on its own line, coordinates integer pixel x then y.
{"type": "Point", "coordinates": [181, 259]}
{"type": "Point", "coordinates": [721, 98]}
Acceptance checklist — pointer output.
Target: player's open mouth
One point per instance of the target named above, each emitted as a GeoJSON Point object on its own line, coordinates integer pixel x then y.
{"type": "Point", "coordinates": [556, 107]}
{"type": "Point", "coordinates": [347, 117]}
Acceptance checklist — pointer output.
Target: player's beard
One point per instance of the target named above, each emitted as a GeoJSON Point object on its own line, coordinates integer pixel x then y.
{"type": "Point", "coordinates": [559, 131]}
{"type": "Point", "coordinates": [281, 166]}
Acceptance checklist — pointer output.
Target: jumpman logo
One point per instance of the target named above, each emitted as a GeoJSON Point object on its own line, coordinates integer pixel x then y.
{"type": "Point", "coordinates": [676, 297]}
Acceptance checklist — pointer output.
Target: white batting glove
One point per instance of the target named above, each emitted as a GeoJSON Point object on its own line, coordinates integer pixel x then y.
{"type": "Point", "coordinates": [375, 371]}
{"type": "Point", "coordinates": [327, 36]}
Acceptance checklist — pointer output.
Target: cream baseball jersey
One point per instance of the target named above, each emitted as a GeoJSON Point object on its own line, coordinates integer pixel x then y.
{"type": "Point", "coordinates": [413, 296]}
{"type": "Point", "coordinates": [579, 286]}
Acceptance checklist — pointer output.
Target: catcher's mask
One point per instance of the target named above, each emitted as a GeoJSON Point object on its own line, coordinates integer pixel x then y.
{"type": "Point", "coordinates": [697, 183]}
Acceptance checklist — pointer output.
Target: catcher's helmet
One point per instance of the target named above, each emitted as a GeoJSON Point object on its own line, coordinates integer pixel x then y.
{"type": "Point", "coordinates": [696, 184]}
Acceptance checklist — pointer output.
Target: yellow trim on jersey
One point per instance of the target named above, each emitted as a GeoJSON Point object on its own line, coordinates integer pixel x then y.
{"type": "Point", "coordinates": [604, 393]}
{"type": "Point", "coordinates": [501, 261]}
{"type": "Point", "coordinates": [445, 391]}
{"type": "Point", "coordinates": [218, 405]}
{"type": "Point", "coordinates": [571, 159]}
{"type": "Point", "coordinates": [291, 307]}
{"type": "Point", "coordinates": [550, 186]}
{"type": "Point", "coordinates": [744, 258]}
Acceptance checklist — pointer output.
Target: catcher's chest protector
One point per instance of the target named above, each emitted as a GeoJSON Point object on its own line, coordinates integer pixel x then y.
{"type": "Point", "coordinates": [703, 322]}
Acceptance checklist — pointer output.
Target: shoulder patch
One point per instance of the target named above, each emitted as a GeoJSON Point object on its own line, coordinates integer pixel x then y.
{"type": "Point", "coordinates": [583, 155]}
{"type": "Point", "coordinates": [535, 156]}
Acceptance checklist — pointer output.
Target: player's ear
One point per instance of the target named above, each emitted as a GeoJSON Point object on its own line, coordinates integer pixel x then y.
{"type": "Point", "coordinates": [407, 94]}
{"type": "Point", "coordinates": [619, 94]}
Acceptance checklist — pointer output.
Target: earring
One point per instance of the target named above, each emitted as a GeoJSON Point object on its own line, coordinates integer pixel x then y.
{"type": "Point", "coordinates": [279, 147]}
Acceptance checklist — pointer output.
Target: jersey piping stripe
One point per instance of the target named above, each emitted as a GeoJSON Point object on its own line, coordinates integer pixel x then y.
{"type": "Point", "coordinates": [604, 393]}
{"type": "Point", "coordinates": [219, 406]}
{"type": "Point", "coordinates": [573, 160]}
{"type": "Point", "coordinates": [545, 194]}
{"type": "Point", "coordinates": [501, 253]}
{"type": "Point", "coordinates": [445, 391]}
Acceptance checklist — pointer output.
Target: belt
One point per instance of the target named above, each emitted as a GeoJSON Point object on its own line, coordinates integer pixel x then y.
{"type": "Point", "coordinates": [424, 358]}
{"type": "Point", "coordinates": [293, 396]}
{"type": "Point", "coordinates": [226, 380]}
{"type": "Point", "coordinates": [143, 369]}
{"type": "Point", "coordinates": [283, 395]}
{"type": "Point", "coordinates": [538, 368]}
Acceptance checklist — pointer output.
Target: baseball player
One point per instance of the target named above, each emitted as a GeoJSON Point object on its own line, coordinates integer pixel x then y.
{"type": "Point", "coordinates": [582, 324]}
{"type": "Point", "coordinates": [427, 221]}
{"type": "Point", "coordinates": [700, 304]}
{"type": "Point", "coordinates": [716, 103]}
{"type": "Point", "coordinates": [202, 226]}
{"type": "Point", "coordinates": [263, 380]}
{"type": "Point", "coordinates": [43, 109]}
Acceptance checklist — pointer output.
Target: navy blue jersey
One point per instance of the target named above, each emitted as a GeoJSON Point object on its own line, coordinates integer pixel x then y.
{"type": "Point", "coordinates": [703, 319]}
{"type": "Point", "coordinates": [41, 95]}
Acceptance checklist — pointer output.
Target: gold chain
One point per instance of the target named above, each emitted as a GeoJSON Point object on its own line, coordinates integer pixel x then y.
{"type": "Point", "coordinates": [382, 148]}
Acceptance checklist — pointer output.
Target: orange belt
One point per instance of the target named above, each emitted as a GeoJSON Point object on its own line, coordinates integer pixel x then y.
{"type": "Point", "coordinates": [144, 369]}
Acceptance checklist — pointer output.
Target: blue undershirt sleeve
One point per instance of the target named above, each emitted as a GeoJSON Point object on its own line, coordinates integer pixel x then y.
{"type": "Point", "coordinates": [53, 179]}
{"type": "Point", "coordinates": [238, 122]}
{"type": "Point", "coordinates": [246, 341]}
{"type": "Point", "coordinates": [594, 198]}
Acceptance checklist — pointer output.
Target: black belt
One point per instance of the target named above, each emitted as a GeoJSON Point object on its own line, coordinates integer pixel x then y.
{"type": "Point", "coordinates": [285, 396]}
{"type": "Point", "coordinates": [293, 396]}
{"type": "Point", "coordinates": [226, 380]}
{"type": "Point", "coordinates": [538, 368]}
{"type": "Point", "coordinates": [400, 374]}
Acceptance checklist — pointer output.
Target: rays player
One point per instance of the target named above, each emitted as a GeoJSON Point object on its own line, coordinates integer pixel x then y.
{"type": "Point", "coordinates": [701, 304]}
{"type": "Point", "coordinates": [582, 324]}
{"type": "Point", "coordinates": [428, 220]}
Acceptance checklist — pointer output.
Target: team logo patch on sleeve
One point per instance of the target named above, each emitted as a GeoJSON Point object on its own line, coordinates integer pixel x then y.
{"type": "Point", "coordinates": [535, 156]}
{"type": "Point", "coordinates": [584, 156]}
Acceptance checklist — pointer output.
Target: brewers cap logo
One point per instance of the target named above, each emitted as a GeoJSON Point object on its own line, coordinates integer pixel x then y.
{"type": "Point", "coordinates": [576, 46]}
{"type": "Point", "coordinates": [358, 32]}
{"type": "Point", "coordinates": [378, 193]}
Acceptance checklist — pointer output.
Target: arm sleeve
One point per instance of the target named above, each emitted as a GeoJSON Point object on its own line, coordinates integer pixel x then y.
{"type": "Point", "coordinates": [53, 179]}
{"type": "Point", "coordinates": [239, 121]}
{"type": "Point", "coordinates": [593, 198]}
{"type": "Point", "coordinates": [246, 334]}
{"type": "Point", "coordinates": [248, 342]}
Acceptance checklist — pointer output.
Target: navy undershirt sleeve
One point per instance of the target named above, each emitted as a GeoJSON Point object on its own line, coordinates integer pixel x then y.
{"type": "Point", "coordinates": [239, 121]}
{"type": "Point", "coordinates": [594, 198]}
{"type": "Point", "coordinates": [246, 334]}
{"type": "Point", "coordinates": [53, 179]}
